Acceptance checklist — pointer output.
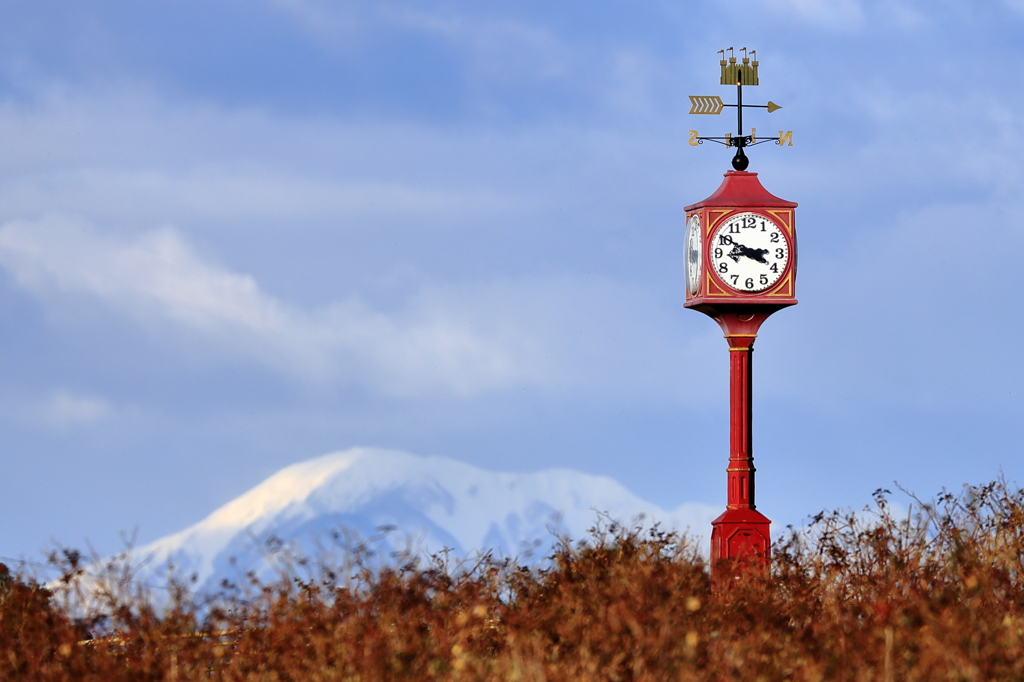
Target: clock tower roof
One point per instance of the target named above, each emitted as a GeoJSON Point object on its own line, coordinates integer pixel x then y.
{"type": "Point", "coordinates": [742, 189]}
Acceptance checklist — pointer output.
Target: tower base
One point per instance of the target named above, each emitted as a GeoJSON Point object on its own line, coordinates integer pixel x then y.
{"type": "Point", "coordinates": [739, 537]}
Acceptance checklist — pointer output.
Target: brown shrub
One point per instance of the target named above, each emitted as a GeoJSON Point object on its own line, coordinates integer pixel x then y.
{"type": "Point", "coordinates": [854, 596]}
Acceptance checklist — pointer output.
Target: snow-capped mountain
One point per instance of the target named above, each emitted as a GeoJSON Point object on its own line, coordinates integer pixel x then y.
{"type": "Point", "coordinates": [431, 502]}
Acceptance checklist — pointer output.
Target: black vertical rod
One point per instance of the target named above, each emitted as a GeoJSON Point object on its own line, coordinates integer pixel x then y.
{"type": "Point", "coordinates": [740, 161]}
{"type": "Point", "coordinates": [739, 108]}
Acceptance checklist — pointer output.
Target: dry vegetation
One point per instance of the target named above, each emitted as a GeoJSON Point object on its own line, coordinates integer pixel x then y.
{"type": "Point", "coordinates": [937, 595]}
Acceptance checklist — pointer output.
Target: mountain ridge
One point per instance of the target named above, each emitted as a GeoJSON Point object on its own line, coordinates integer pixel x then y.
{"type": "Point", "coordinates": [433, 502]}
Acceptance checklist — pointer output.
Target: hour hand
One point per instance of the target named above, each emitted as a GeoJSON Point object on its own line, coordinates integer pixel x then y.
{"type": "Point", "coordinates": [739, 250]}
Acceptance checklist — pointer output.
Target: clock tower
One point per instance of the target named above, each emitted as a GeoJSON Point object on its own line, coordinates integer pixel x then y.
{"type": "Point", "coordinates": [740, 255]}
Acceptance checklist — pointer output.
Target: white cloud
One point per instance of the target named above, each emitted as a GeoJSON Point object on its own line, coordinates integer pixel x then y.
{"type": "Point", "coordinates": [502, 49]}
{"type": "Point", "coordinates": [231, 195]}
{"type": "Point", "coordinates": [146, 160]}
{"type": "Point", "coordinates": [1015, 5]}
{"type": "Point", "coordinates": [320, 17]}
{"type": "Point", "coordinates": [554, 334]}
{"type": "Point", "coordinates": [210, 171]}
{"type": "Point", "coordinates": [499, 49]}
{"type": "Point", "coordinates": [825, 13]}
{"type": "Point", "coordinates": [65, 409]}
{"type": "Point", "coordinates": [59, 410]}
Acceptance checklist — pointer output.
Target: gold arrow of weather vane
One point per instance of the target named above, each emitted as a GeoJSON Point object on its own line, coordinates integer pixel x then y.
{"type": "Point", "coordinates": [706, 104]}
{"type": "Point", "coordinates": [712, 104]}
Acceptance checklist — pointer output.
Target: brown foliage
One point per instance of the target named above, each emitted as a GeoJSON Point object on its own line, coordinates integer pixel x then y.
{"type": "Point", "coordinates": [868, 596]}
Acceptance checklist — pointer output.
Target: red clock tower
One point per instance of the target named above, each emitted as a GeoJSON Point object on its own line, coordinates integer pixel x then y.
{"type": "Point", "coordinates": [741, 268]}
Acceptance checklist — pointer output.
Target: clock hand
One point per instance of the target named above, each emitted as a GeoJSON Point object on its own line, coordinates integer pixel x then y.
{"type": "Point", "coordinates": [753, 254]}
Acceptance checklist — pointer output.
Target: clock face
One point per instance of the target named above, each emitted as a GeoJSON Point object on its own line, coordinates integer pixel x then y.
{"type": "Point", "coordinates": [694, 253]}
{"type": "Point", "coordinates": [749, 252]}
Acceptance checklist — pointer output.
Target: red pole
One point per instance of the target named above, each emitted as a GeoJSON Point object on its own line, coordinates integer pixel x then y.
{"type": "Point", "coordinates": [741, 533]}
{"type": "Point", "coordinates": [741, 456]}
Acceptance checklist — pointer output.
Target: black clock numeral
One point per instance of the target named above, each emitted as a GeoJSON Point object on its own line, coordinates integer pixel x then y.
{"type": "Point", "coordinates": [749, 221]}
{"type": "Point", "coordinates": [734, 228]}
{"type": "Point", "coordinates": [780, 253]}
{"type": "Point", "coordinates": [750, 282]}
{"type": "Point", "coordinates": [718, 252]}
{"type": "Point", "coordinates": [734, 278]}
{"type": "Point", "coordinates": [775, 238]}
{"type": "Point", "coordinates": [764, 280]}
{"type": "Point", "coordinates": [774, 267]}
{"type": "Point", "coordinates": [763, 227]}
{"type": "Point", "coordinates": [724, 240]}
{"type": "Point", "coordinates": [723, 267]}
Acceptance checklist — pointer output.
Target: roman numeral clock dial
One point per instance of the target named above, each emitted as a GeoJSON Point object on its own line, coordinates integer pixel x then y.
{"type": "Point", "coordinates": [749, 252]}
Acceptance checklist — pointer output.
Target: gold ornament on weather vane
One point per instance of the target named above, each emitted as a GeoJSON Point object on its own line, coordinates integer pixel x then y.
{"type": "Point", "coordinates": [739, 74]}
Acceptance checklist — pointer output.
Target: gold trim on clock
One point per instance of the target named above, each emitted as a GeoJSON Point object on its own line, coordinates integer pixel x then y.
{"type": "Point", "coordinates": [713, 287]}
{"type": "Point", "coordinates": [712, 222]}
{"type": "Point", "coordinates": [787, 284]}
{"type": "Point", "coordinates": [785, 217]}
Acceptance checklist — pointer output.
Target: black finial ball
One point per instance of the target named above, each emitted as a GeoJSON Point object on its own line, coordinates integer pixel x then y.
{"type": "Point", "coordinates": [740, 161]}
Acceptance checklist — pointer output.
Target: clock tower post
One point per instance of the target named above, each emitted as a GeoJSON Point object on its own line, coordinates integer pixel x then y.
{"type": "Point", "coordinates": [740, 268]}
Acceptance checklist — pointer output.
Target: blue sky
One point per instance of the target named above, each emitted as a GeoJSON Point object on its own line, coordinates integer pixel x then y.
{"type": "Point", "coordinates": [237, 235]}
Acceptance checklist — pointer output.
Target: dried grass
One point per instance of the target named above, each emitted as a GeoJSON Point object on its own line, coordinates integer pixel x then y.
{"type": "Point", "coordinates": [934, 596]}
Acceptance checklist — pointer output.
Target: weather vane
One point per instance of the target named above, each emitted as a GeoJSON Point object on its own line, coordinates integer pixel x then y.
{"type": "Point", "coordinates": [738, 74]}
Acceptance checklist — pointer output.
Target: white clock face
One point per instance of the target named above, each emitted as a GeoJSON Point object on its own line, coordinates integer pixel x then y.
{"type": "Point", "coordinates": [749, 252]}
{"type": "Point", "coordinates": [694, 253]}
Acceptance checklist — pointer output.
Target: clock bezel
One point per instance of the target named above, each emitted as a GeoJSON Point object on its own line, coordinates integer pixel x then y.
{"type": "Point", "coordinates": [693, 278]}
{"type": "Point", "coordinates": [721, 224]}
{"type": "Point", "coordinates": [740, 192]}
{"type": "Point", "coordinates": [712, 290]}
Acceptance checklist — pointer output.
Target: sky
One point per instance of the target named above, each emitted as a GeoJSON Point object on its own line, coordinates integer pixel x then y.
{"type": "Point", "coordinates": [238, 235]}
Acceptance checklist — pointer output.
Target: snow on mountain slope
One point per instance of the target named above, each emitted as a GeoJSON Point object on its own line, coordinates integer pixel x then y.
{"type": "Point", "coordinates": [432, 501]}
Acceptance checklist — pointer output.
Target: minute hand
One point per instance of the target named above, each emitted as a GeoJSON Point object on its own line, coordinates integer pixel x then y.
{"type": "Point", "coordinates": [739, 250]}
